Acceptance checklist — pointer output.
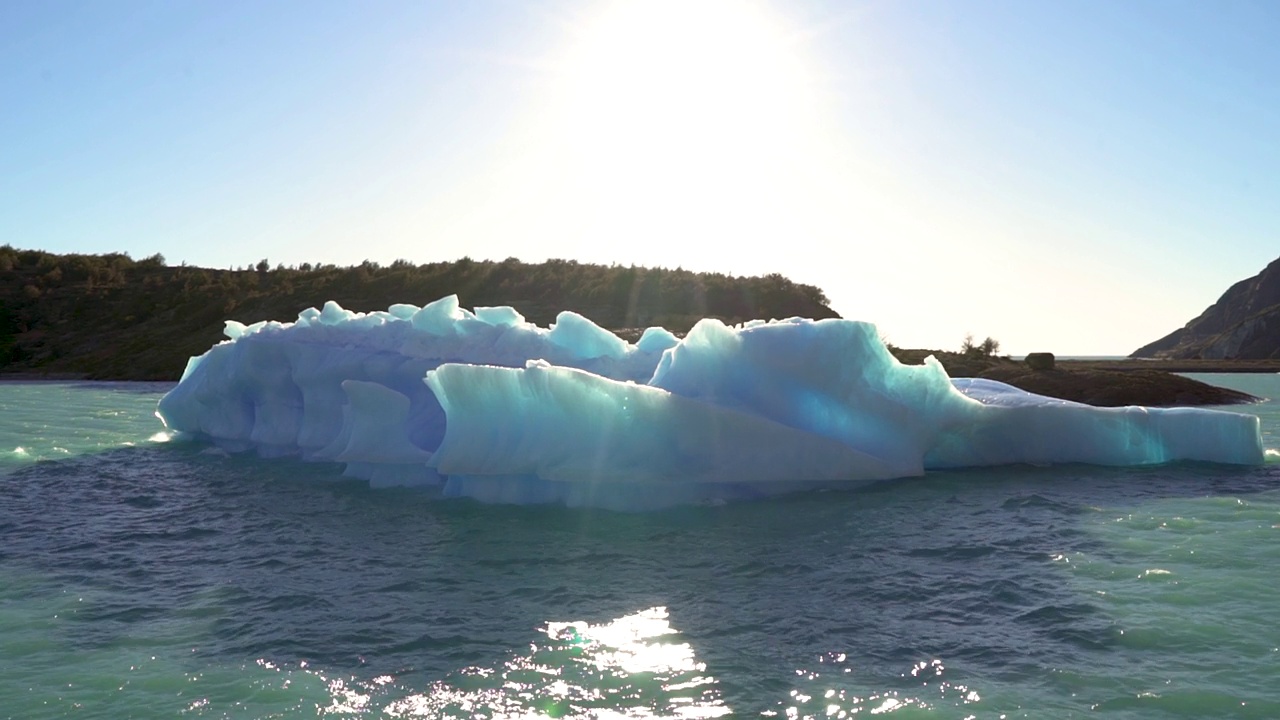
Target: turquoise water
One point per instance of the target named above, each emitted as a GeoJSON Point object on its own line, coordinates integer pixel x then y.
{"type": "Point", "coordinates": [148, 578]}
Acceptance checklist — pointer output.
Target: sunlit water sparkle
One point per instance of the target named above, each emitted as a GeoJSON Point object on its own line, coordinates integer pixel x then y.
{"type": "Point", "coordinates": [151, 579]}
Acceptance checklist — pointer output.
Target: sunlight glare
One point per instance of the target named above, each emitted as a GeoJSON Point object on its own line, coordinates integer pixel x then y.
{"type": "Point", "coordinates": [703, 135]}
{"type": "Point", "coordinates": [678, 122]}
{"type": "Point", "coordinates": [636, 663]}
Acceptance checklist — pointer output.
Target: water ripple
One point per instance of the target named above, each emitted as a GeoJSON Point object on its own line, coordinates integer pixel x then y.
{"type": "Point", "coordinates": [1024, 592]}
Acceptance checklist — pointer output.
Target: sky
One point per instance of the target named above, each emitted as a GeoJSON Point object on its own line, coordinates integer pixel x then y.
{"type": "Point", "coordinates": [1075, 177]}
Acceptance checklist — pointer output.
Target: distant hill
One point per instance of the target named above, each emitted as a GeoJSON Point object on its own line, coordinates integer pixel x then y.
{"type": "Point", "coordinates": [113, 317]}
{"type": "Point", "coordinates": [1243, 324]}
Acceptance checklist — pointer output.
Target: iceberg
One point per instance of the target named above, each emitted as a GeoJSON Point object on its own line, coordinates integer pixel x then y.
{"type": "Point", "coordinates": [483, 404]}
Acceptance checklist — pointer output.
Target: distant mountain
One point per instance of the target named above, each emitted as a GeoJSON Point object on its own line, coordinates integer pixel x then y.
{"type": "Point", "coordinates": [1244, 324]}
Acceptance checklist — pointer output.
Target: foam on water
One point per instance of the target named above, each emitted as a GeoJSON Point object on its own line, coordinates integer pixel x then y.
{"type": "Point", "coordinates": [57, 420]}
{"type": "Point", "coordinates": [486, 405]}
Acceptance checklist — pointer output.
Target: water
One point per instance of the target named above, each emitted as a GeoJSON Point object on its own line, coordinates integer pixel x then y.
{"type": "Point", "coordinates": [149, 579]}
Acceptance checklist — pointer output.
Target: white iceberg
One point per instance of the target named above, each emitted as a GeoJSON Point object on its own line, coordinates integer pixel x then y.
{"type": "Point", "coordinates": [486, 405]}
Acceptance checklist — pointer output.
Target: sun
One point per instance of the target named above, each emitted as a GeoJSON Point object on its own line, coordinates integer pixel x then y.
{"type": "Point", "coordinates": [675, 122]}
{"type": "Point", "coordinates": [692, 80]}
{"type": "Point", "coordinates": [695, 133]}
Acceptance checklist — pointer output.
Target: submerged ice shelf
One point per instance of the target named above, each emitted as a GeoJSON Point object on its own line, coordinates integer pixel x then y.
{"type": "Point", "coordinates": [483, 404]}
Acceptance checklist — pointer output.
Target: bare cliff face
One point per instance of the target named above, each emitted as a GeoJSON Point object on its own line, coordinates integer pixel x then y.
{"type": "Point", "coordinates": [1244, 324]}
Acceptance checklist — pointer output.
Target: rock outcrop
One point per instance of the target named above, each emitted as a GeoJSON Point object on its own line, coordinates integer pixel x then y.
{"type": "Point", "coordinates": [1039, 360]}
{"type": "Point", "coordinates": [1244, 324]}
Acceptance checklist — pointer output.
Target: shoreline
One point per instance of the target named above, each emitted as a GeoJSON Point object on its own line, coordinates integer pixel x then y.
{"type": "Point", "coordinates": [1175, 366]}
{"type": "Point", "coordinates": [1104, 383]}
{"type": "Point", "coordinates": [37, 376]}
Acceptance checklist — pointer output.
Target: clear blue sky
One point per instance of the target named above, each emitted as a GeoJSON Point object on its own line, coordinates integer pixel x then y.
{"type": "Point", "coordinates": [1081, 177]}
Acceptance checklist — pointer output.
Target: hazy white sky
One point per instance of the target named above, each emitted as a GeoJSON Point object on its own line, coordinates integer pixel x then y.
{"type": "Point", "coordinates": [1077, 177]}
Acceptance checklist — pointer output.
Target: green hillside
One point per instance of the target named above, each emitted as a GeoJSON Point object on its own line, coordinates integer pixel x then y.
{"type": "Point", "coordinates": [112, 317]}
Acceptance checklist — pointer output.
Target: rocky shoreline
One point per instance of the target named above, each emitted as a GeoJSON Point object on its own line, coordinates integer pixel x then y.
{"type": "Point", "coordinates": [1105, 383]}
{"type": "Point", "coordinates": [1175, 366]}
{"type": "Point", "coordinates": [1115, 388]}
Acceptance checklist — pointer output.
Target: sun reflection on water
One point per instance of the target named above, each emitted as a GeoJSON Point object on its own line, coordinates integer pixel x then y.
{"type": "Point", "coordinates": [635, 666]}
{"type": "Point", "coordinates": [632, 667]}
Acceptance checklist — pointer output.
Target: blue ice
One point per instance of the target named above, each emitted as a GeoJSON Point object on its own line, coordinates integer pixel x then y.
{"type": "Point", "coordinates": [483, 404]}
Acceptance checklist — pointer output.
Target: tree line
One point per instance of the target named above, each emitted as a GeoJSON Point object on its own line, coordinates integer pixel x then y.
{"type": "Point", "coordinates": [110, 316]}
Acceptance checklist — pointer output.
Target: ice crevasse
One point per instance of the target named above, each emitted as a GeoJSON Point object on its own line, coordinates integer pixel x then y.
{"type": "Point", "coordinates": [481, 403]}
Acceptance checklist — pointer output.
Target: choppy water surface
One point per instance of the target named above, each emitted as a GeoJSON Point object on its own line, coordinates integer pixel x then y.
{"type": "Point", "coordinates": [150, 579]}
